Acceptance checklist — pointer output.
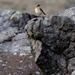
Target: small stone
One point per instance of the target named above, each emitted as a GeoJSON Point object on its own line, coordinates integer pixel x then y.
{"type": "Point", "coordinates": [37, 73]}
{"type": "Point", "coordinates": [73, 73]}
{"type": "Point", "coordinates": [3, 64]}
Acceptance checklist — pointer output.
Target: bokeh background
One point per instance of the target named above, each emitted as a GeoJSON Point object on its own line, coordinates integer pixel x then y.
{"type": "Point", "coordinates": [51, 7]}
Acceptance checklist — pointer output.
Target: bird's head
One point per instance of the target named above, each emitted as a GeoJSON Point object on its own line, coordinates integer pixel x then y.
{"type": "Point", "coordinates": [38, 5]}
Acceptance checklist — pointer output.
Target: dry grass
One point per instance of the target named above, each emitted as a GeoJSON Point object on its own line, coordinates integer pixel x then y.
{"type": "Point", "coordinates": [49, 6]}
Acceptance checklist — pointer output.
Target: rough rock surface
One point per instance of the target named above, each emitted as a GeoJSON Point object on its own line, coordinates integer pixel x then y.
{"type": "Point", "coordinates": [27, 40]}
{"type": "Point", "coordinates": [15, 49]}
{"type": "Point", "coordinates": [57, 34]}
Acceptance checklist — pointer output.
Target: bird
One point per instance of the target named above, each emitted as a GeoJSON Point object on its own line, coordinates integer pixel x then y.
{"type": "Point", "coordinates": [39, 11]}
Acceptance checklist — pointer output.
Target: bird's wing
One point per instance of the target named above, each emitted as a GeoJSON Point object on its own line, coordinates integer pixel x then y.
{"type": "Point", "coordinates": [42, 11]}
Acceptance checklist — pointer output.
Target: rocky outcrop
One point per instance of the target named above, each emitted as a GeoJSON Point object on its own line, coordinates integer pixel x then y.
{"type": "Point", "coordinates": [58, 42]}
{"type": "Point", "coordinates": [37, 45]}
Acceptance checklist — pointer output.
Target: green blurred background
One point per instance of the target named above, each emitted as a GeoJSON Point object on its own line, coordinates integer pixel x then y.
{"type": "Point", "coordinates": [50, 7]}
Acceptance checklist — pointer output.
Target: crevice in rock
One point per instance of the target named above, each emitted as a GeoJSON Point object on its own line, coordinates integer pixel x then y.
{"type": "Point", "coordinates": [7, 40]}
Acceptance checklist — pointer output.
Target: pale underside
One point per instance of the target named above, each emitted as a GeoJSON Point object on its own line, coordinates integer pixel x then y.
{"type": "Point", "coordinates": [38, 11]}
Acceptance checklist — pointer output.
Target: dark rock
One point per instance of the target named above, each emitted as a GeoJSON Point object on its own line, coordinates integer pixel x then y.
{"type": "Point", "coordinates": [49, 34]}
{"type": "Point", "coordinates": [50, 62]}
{"type": "Point", "coordinates": [58, 42]}
{"type": "Point", "coordinates": [55, 42]}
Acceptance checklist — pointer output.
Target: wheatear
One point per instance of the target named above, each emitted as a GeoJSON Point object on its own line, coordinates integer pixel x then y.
{"type": "Point", "coordinates": [39, 11]}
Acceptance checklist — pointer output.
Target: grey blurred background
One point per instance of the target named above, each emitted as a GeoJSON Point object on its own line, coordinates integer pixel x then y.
{"type": "Point", "coordinates": [51, 7]}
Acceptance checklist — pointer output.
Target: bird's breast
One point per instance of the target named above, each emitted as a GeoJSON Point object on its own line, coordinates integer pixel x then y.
{"type": "Point", "coordinates": [37, 10]}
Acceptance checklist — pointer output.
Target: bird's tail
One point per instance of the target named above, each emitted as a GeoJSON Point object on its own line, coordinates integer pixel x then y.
{"type": "Point", "coordinates": [44, 13]}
